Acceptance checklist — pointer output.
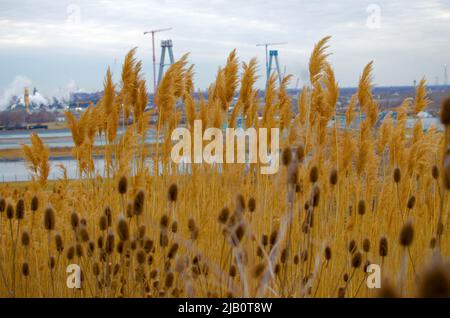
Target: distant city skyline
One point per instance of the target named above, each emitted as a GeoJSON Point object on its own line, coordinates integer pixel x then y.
{"type": "Point", "coordinates": [65, 46]}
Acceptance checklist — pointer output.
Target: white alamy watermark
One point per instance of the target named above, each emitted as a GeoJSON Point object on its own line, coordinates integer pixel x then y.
{"type": "Point", "coordinates": [73, 14]}
{"type": "Point", "coordinates": [242, 142]}
{"type": "Point", "coordinates": [374, 19]}
{"type": "Point", "coordinates": [74, 276]}
{"type": "Point", "coordinates": [374, 276]}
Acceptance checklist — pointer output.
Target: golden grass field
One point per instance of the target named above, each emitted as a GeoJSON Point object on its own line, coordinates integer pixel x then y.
{"type": "Point", "coordinates": [341, 200]}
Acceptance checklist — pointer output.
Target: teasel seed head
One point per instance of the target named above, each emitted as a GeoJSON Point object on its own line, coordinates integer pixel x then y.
{"type": "Point", "coordinates": [286, 156]}
{"type": "Point", "coordinates": [164, 222]}
{"type": "Point", "coordinates": [59, 242]}
{"type": "Point", "coordinates": [273, 237]}
{"type": "Point", "coordinates": [333, 177]}
{"type": "Point", "coordinates": [411, 202]}
{"type": "Point", "coordinates": [141, 231]}
{"type": "Point", "coordinates": [79, 250]}
{"type": "Point", "coordinates": [96, 269]}
{"type": "Point", "coordinates": [383, 247]}
{"type": "Point", "coordinates": [445, 112]}
{"type": "Point", "coordinates": [70, 253]}
{"type": "Point", "coordinates": [327, 253]}
{"type": "Point", "coordinates": [123, 185]}
{"type": "Point", "coordinates": [163, 239]}
{"type": "Point", "coordinates": [140, 257]}
{"type": "Point", "coordinates": [25, 269]}
{"type": "Point", "coordinates": [34, 204]}
{"type": "Point", "coordinates": [356, 260]}
{"type": "Point", "coordinates": [232, 271]}
{"type": "Point", "coordinates": [435, 172]}
{"type": "Point", "coordinates": [361, 207]}
{"type": "Point", "coordinates": [49, 218]}
{"type": "Point", "coordinates": [9, 211]}
{"type": "Point", "coordinates": [91, 248]}
{"type": "Point", "coordinates": [130, 211]}
{"type": "Point", "coordinates": [103, 222]}
{"type": "Point", "coordinates": [174, 227]}
{"type": "Point", "coordinates": [433, 243]}
{"type": "Point", "coordinates": [366, 245]}
{"type": "Point", "coordinates": [397, 175]}
{"type": "Point", "coordinates": [100, 241]}
{"type": "Point", "coordinates": [264, 240]}
{"type": "Point", "coordinates": [169, 280]}
{"type": "Point", "coordinates": [138, 205]}
{"type": "Point", "coordinates": [352, 248]}
{"type": "Point", "coordinates": [74, 220]}
{"type": "Point", "coordinates": [2, 205]}
{"type": "Point", "coordinates": [173, 251]}
{"type": "Point", "coordinates": [122, 229]}
{"type": "Point", "coordinates": [258, 270]}
{"type": "Point", "coordinates": [251, 204]}
{"type": "Point", "coordinates": [313, 174]}
{"type": "Point", "coordinates": [83, 234]}
{"type": "Point", "coordinates": [223, 215]}
{"type": "Point", "coordinates": [436, 281]}
{"type": "Point", "coordinates": [20, 209]}
{"type": "Point", "coordinates": [25, 238]}
{"type": "Point", "coordinates": [315, 196]}
{"type": "Point", "coordinates": [109, 244]}
{"type": "Point", "coordinates": [107, 212]}
{"type": "Point", "coordinates": [173, 192]}
{"type": "Point", "coordinates": [407, 234]}
{"type": "Point", "coordinates": [300, 153]}
{"type": "Point", "coordinates": [387, 290]}
{"type": "Point", "coordinates": [191, 225]}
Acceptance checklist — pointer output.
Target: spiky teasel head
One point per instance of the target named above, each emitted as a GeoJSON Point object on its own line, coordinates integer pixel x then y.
{"type": "Point", "coordinates": [387, 290]}
{"type": "Point", "coordinates": [300, 153]}
{"type": "Point", "coordinates": [407, 234]}
{"type": "Point", "coordinates": [140, 256]}
{"type": "Point", "coordinates": [9, 211]}
{"type": "Point", "coordinates": [122, 185]}
{"type": "Point", "coordinates": [74, 220]}
{"type": "Point", "coordinates": [397, 175]}
{"type": "Point", "coordinates": [361, 207]}
{"type": "Point", "coordinates": [138, 204]}
{"type": "Point", "coordinates": [172, 194]}
{"type": "Point", "coordinates": [366, 245]}
{"type": "Point", "coordinates": [34, 206]}
{"type": "Point", "coordinates": [122, 228]}
{"type": "Point", "coordinates": [251, 204]}
{"type": "Point", "coordinates": [59, 242]}
{"type": "Point", "coordinates": [70, 253]}
{"type": "Point", "coordinates": [327, 253]}
{"type": "Point", "coordinates": [169, 280]}
{"type": "Point", "coordinates": [103, 222]}
{"type": "Point", "coordinates": [49, 218]}
{"type": "Point", "coordinates": [25, 239]}
{"type": "Point", "coordinates": [313, 174]}
{"type": "Point", "coordinates": [315, 196]}
{"type": "Point", "coordinates": [223, 215]}
{"type": "Point", "coordinates": [333, 177]}
{"type": "Point", "coordinates": [164, 222]}
{"type": "Point", "coordinates": [411, 202]}
{"type": "Point", "coordinates": [383, 247]}
{"type": "Point", "coordinates": [2, 205]}
{"type": "Point", "coordinates": [286, 156]}
{"type": "Point", "coordinates": [435, 282]}
{"type": "Point", "coordinates": [107, 212]}
{"type": "Point", "coordinates": [20, 209]}
{"type": "Point", "coordinates": [435, 172]}
{"type": "Point", "coordinates": [356, 260]}
{"type": "Point", "coordinates": [258, 270]}
{"type": "Point", "coordinates": [445, 112]}
{"type": "Point", "coordinates": [352, 248]}
{"type": "Point", "coordinates": [110, 240]}
{"type": "Point", "coordinates": [130, 211]}
{"type": "Point", "coordinates": [83, 233]}
{"type": "Point", "coordinates": [173, 251]}
{"type": "Point", "coordinates": [25, 269]}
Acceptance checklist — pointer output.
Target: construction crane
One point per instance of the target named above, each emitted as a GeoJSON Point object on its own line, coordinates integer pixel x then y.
{"type": "Point", "coordinates": [154, 56]}
{"type": "Point", "coordinates": [266, 45]}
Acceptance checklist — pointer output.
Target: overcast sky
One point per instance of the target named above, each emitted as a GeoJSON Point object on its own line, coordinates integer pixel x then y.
{"type": "Point", "coordinates": [66, 45]}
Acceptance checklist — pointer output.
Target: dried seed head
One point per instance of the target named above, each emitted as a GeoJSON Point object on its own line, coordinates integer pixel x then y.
{"type": "Point", "coordinates": [164, 222]}
{"type": "Point", "coordinates": [411, 202]}
{"type": "Point", "coordinates": [173, 192]}
{"type": "Point", "coordinates": [407, 234]}
{"type": "Point", "coordinates": [174, 227]}
{"type": "Point", "coordinates": [163, 239]}
{"type": "Point", "coordinates": [2, 205]}
{"type": "Point", "coordinates": [25, 239]}
{"type": "Point", "coordinates": [169, 280]}
{"type": "Point", "coordinates": [140, 257]}
{"type": "Point", "coordinates": [91, 248]}
{"type": "Point", "coordinates": [20, 209]}
{"type": "Point", "coordinates": [366, 245]}
{"type": "Point", "coordinates": [433, 243]}
{"type": "Point", "coordinates": [25, 269]}
{"type": "Point", "coordinates": [232, 271]}
{"type": "Point", "coordinates": [83, 233]}
{"type": "Point", "coordinates": [123, 185]}
{"type": "Point", "coordinates": [315, 196]}
{"type": "Point", "coordinates": [79, 250]}
{"type": "Point", "coordinates": [130, 211]}
{"type": "Point", "coordinates": [300, 153]}
{"type": "Point", "coordinates": [191, 225]}
{"type": "Point", "coordinates": [387, 290]}
{"type": "Point", "coordinates": [96, 269]}
{"type": "Point", "coordinates": [49, 219]}
{"type": "Point", "coordinates": [122, 229]}
{"type": "Point", "coordinates": [59, 243]}
{"type": "Point", "coordinates": [341, 292]}
{"type": "Point", "coordinates": [286, 156]}
{"type": "Point", "coordinates": [74, 220]}
{"type": "Point", "coordinates": [258, 270]}
{"type": "Point", "coordinates": [435, 282]}
{"type": "Point", "coordinates": [108, 214]}
{"type": "Point", "coordinates": [361, 207]}
{"type": "Point", "coordinates": [103, 222]}
{"type": "Point", "coordinates": [445, 112]}
{"type": "Point", "coordinates": [313, 174]}
{"type": "Point", "coordinates": [356, 260]}
{"type": "Point", "coordinates": [251, 204]}
{"type": "Point", "coordinates": [172, 251]}
{"type": "Point", "coordinates": [273, 237]}
{"type": "Point", "coordinates": [223, 215]}
{"type": "Point", "coordinates": [100, 242]}
{"type": "Point", "coordinates": [435, 172]}
{"type": "Point", "coordinates": [70, 253]}
{"type": "Point", "coordinates": [333, 177]}
{"type": "Point", "coordinates": [352, 246]}
{"type": "Point", "coordinates": [9, 211]}
{"type": "Point", "coordinates": [109, 244]}
{"type": "Point", "coordinates": [383, 247]}
{"type": "Point", "coordinates": [141, 231]}
{"type": "Point", "coordinates": [397, 175]}
{"type": "Point", "coordinates": [327, 253]}
{"type": "Point", "coordinates": [264, 240]}
{"type": "Point", "coordinates": [34, 204]}
{"type": "Point", "coordinates": [138, 205]}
